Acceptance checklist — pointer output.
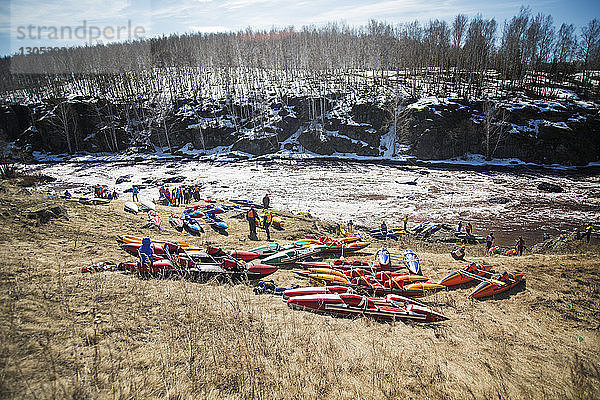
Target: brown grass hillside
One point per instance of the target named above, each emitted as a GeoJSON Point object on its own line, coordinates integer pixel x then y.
{"type": "Point", "coordinates": [110, 335]}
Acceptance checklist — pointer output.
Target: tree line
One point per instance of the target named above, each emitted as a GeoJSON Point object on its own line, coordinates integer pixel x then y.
{"type": "Point", "coordinates": [469, 57]}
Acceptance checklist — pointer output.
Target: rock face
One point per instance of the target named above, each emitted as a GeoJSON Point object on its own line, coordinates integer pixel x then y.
{"type": "Point", "coordinates": [565, 132]}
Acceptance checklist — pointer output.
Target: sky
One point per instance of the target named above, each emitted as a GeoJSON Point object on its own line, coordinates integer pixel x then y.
{"type": "Point", "coordinates": [42, 23]}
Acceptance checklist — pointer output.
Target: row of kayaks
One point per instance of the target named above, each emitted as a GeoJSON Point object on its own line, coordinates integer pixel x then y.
{"type": "Point", "coordinates": [134, 208]}
{"type": "Point", "coordinates": [377, 279]}
{"type": "Point", "coordinates": [193, 263]}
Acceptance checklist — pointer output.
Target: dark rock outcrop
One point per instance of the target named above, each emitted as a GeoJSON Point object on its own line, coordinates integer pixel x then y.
{"type": "Point", "coordinates": [44, 214]}
{"type": "Point", "coordinates": [563, 132]}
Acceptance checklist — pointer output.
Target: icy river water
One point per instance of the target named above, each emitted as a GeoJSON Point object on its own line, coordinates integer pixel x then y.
{"type": "Point", "coordinates": [506, 202]}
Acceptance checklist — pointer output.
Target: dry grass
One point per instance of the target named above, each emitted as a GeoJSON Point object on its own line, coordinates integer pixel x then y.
{"type": "Point", "coordinates": [111, 335]}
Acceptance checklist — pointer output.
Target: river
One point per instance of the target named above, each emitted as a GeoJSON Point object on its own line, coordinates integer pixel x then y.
{"type": "Point", "coordinates": [367, 193]}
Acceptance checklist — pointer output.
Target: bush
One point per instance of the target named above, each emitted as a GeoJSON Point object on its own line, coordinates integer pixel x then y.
{"type": "Point", "coordinates": [8, 170]}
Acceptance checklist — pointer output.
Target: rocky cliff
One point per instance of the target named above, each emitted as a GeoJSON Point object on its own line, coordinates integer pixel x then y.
{"type": "Point", "coordinates": [541, 131]}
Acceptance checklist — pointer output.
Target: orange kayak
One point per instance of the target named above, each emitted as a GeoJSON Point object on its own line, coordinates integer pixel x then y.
{"type": "Point", "coordinates": [459, 277]}
{"type": "Point", "coordinates": [346, 247]}
{"type": "Point", "coordinates": [507, 281]}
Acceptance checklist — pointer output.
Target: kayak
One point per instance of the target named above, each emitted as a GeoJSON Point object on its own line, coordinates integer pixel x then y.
{"type": "Point", "coordinates": [237, 254]}
{"type": "Point", "coordinates": [291, 256]}
{"type": "Point", "coordinates": [329, 271]}
{"type": "Point", "coordinates": [329, 278]}
{"type": "Point", "coordinates": [412, 262]}
{"type": "Point", "coordinates": [146, 205]}
{"type": "Point", "coordinates": [387, 309]}
{"type": "Point", "coordinates": [426, 287]}
{"type": "Point", "coordinates": [369, 268]}
{"type": "Point", "coordinates": [390, 233]}
{"type": "Point", "coordinates": [386, 275]}
{"type": "Point", "coordinates": [339, 263]}
{"type": "Point", "coordinates": [316, 290]}
{"type": "Point", "coordinates": [96, 201]}
{"type": "Point", "coordinates": [498, 284]}
{"type": "Point", "coordinates": [203, 272]}
{"type": "Point", "coordinates": [176, 222]}
{"type": "Point", "coordinates": [459, 277]}
{"type": "Point", "coordinates": [277, 222]}
{"type": "Point", "coordinates": [137, 239]}
{"type": "Point", "coordinates": [157, 248]}
{"type": "Point", "coordinates": [346, 247]}
{"type": "Point", "coordinates": [266, 250]}
{"type": "Point", "coordinates": [154, 217]}
{"type": "Point", "coordinates": [131, 207]}
{"type": "Point", "coordinates": [383, 256]}
{"type": "Point", "coordinates": [192, 226]}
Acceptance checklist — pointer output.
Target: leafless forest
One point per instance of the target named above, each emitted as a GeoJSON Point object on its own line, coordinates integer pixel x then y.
{"type": "Point", "coordinates": [467, 58]}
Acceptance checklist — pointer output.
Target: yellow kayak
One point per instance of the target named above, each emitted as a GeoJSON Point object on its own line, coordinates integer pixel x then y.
{"type": "Point", "coordinates": [426, 286]}
{"type": "Point", "coordinates": [329, 278]}
{"type": "Point", "coordinates": [327, 271]}
{"type": "Point", "coordinates": [277, 222]}
{"type": "Point", "coordinates": [135, 239]}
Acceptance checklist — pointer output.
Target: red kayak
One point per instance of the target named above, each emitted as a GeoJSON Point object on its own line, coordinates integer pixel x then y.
{"type": "Point", "coordinates": [238, 271]}
{"type": "Point", "coordinates": [132, 248]}
{"type": "Point", "coordinates": [498, 284]}
{"type": "Point", "coordinates": [459, 277]}
{"type": "Point", "coordinates": [238, 254]}
{"type": "Point", "coordinates": [354, 305]}
{"type": "Point", "coordinates": [316, 290]}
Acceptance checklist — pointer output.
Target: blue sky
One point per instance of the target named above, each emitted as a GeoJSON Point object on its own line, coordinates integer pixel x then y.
{"type": "Point", "coordinates": [30, 23]}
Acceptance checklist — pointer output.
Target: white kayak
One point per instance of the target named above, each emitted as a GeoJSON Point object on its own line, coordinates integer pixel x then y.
{"type": "Point", "coordinates": [146, 205]}
{"type": "Point", "coordinates": [131, 207]}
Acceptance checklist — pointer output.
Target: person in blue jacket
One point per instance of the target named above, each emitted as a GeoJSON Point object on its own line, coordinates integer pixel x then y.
{"type": "Point", "coordinates": [135, 191]}
{"type": "Point", "coordinates": [146, 252]}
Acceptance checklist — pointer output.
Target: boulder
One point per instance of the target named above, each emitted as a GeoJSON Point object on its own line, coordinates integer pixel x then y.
{"type": "Point", "coordinates": [550, 187]}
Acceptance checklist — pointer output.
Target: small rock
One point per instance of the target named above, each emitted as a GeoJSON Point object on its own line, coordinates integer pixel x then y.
{"type": "Point", "coordinates": [498, 200]}
{"type": "Point", "coordinates": [123, 179]}
{"type": "Point", "coordinates": [550, 187]}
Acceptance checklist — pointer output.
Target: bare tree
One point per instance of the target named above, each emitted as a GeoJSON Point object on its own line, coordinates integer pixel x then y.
{"type": "Point", "coordinates": [590, 38]}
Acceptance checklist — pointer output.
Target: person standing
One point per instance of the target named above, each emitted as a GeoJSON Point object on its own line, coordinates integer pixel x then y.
{"type": "Point", "coordinates": [134, 192]}
{"type": "Point", "coordinates": [405, 221]}
{"type": "Point", "coordinates": [383, 228]}
{"type": "Point", "coordinates": [252, 216]}
{"type": "Point", "coordinates": [489, 241]}
{"type": "Point", "coordinates": [520, 245]}
{"type": "Point", "coordinates": [350, 227]}
{"type": "Point", "coordinates": [588, 232]}
{"type": "Point", "coordinates": [469, 228]}
{"type": "Point", "coordinates": [459, 226]}
{"type": "Point", "coordinates": [266, 222]}
{"type": "Point", "coordinates": [266, 201]}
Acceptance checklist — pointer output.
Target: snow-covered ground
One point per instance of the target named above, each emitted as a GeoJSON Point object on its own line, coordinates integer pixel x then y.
{"type": "Point", "coordinates": [365, 192]}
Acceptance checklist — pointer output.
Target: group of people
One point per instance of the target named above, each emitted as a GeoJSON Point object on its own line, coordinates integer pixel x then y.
{"type": "Point", "coordinates": [265, 221]}
{"type": "Point", "coordinates": [104, 192]}
{"type": "Point", "coordinates": [180, 195]}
